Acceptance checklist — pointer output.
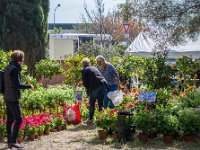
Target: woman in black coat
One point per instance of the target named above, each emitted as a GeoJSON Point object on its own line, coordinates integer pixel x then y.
{"type": "Point", "coordinates": [12, 95]}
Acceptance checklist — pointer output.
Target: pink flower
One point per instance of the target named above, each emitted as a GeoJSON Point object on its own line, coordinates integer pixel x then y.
{"type": "Point", "coordinates": [64, 104]}
{"type": "Point", "coordinates": [41, 115]}
{"type": "Point", "coordinates": [43, 120]}
{"type": "Point", "coordinates": [22, 126]}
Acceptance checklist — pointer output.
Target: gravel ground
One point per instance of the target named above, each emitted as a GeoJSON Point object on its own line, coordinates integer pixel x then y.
{"type": "Point", "coordinates": [84, 137]}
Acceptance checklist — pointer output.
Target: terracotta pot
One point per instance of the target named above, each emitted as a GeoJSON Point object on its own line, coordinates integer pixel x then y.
{"type": "Point", "coordinates": [52, 130]}
{"type": "Point", "coordinates": [36, 136]}
{"type": "Point", "coordinates": [143, 137]}
{"type": "Point", "coordinates": [115, 136]}
{"type": "Point", "coordinates": [168, 139]}
{"type": "Point", "coordinates": [102, 134]}
{"type": "Point", "coordinates": [153, 135]}
{"type": "Point", "coordinates": [46, 132]}
{"type": "Point", "coordinates": [19, 140]}
{"type": "Point", "coordinates": [31, 137]}
{"type": "Point", "coordinates": [64, 127]}
{"type": "Point", "coordinates": [58, 128]}
{"type": "Point", "coordinates": [189, 138]}
{"type": "Point", "coordinates": [176, 136]}
{"type": "Point", "coordinates": [1, 138]}
{"type": "Point", "coordinates": [41, 133]}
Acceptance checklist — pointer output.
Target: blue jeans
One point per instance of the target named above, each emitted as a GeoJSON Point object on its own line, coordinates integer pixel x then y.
{"type": "Point", "coordinates": [106, 101]}
{"type": "Point", "coordinates": [97, 94]}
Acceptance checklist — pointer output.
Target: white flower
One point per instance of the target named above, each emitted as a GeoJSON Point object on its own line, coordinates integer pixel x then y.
{"type": "Point", "coordinates": [71, 115]}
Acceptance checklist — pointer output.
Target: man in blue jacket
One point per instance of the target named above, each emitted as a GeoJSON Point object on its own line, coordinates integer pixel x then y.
{"type": "Point", "coordinates": [95, 85]}
{"type": "Point", "coordinates": [12, 95]}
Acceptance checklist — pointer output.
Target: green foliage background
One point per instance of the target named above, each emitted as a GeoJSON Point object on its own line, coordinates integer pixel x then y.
{"type": "Point", "coordinates": [23, 25]}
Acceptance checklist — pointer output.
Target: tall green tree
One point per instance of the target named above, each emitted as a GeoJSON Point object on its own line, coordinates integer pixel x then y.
{"type": "Point", "coordinates": [178, 19]}
{"type": "Point", "coordinates": [23, 25]}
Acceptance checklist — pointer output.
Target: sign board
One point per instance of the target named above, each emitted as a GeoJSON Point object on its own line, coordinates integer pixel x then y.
{"type": "Point", "coordinates": [147, 96]}
{"type": "Point", "coordinates": [126, 36]}
{"type": "Point", "coordinates": [126, 27]}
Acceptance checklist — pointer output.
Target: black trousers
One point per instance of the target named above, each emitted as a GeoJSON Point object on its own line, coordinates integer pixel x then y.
{"type": "Point", "coordinates": [13, 114]}
{"type": "Point", "coordinates": [97, 94]}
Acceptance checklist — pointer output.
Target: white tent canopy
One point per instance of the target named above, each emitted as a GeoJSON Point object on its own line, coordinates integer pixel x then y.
{"type": "Point", "coordinates": [143, 45]}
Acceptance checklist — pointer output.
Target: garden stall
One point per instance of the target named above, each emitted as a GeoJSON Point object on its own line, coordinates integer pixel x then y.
{"type": "Point", "coordinates": [144, 45]}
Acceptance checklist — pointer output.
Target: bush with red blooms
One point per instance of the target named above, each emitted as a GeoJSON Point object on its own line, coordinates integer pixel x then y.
{"type": "Point", "coordinates": [107, 119]}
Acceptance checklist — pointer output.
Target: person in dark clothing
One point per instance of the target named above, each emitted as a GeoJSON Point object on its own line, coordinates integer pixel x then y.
{"type": "Point", "coordinates": [95, 85]}
{"type": "Point", "coordinates": [12, 95]}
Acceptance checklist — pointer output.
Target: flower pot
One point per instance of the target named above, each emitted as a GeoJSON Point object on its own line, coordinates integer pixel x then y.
{"type": "Point", "coordinates": [37, 136]}
{"type": "Point", "coordinates": [52, 130]}
{"type": "Point", "coordinates": [64, 127]}
{"type": "Point", "coordinates": [31, 137]}
{"type": "Point", "coordinates": [115, 136]}
{"type": "Point", "coordinates": [168, 139]}
{"type": "Point", "coordinates": [110, 132]}
{"type": "Point", "coordinates": [189, 138]}
{"type": "Point", "coordinates": [58, 128]}
{"type": "Point", "coordinates": [46, 132]}
{"type": "Point", "coordinates": [102, 134]}
{"type": "Point", "coordinates": [19, 140]}
{"type": "Point", "coordinates": [198, 135]}
{"type": "Point", "coordinates": [1, 138]}
{"type": "Point", "coordinates": [143, 137]}
{"type": "Point", "coordinates": [176, 136]}
{"type": "Point", "coordinates": [41, 133]}
{"type": "Point", "coordinates": [153, 135]}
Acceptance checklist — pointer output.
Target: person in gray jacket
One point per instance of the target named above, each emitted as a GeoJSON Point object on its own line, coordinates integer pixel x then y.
{"type": "Point", "coordinates": [12, 95]}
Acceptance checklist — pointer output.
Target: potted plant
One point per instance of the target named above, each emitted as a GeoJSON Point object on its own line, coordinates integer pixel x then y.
{"type": "Point", "coordinates": [146, 124]}
{"type": "Point", "coordinates": [2, 130]}
{"type": "Point", "coordinates": [41, 129]}
{"type": "Point", "coordinates": [52, 126]}
{"type": "Point", "coordinates": [112, 127]}
{"type": "Point", "coordinates": [46, 69]}
{"type": "Point", "coordinates": [64, 124]}
{"type": "Point", "coordinates": [101, 122]}
{"type": "Point", "coordinates": [189, 124]}
{"type": "Point", "coordinates": [169, 127]}
{"type": "Point", "coordinates": [47, 128]}
{"type": "Point", "coordinates": [20, 137]}
{"type": "Point", "coordinates": [106, 120]}
{"type": "Point", "coordinates": [58, 120]}
{"type": "Point", "coordinates": [30, 131]}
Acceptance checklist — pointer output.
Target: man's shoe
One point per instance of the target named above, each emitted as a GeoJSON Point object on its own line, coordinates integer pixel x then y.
{"type": "Point", "coordinates": [8, 144]}
{"type": "Point", "coordinates": [89, 121]}
{"type": "Point", "coordinates": [16, 145]}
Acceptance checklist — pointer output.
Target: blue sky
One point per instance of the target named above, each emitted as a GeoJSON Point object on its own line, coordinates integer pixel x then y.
{"type": "Point", "coordinates": [70, 10]}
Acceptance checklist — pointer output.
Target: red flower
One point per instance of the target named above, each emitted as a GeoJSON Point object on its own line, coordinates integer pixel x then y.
{"type": "Point", "coordinates": [64, 104]}
{"type": "Point", "coordinates": [64, 110]}
{"type": "Point", "coordinates": [41, 115]}
{"type": "Point", "coordinates": [130, 105]}
{"type": "Point", "coordinates": [134, 90]}
{"type": "Point", "coordinates": [113, 112]}
{"type": "Point", "coordinates": [125, 111]}
{"type": "Point", "coordinates": [102, 111]}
